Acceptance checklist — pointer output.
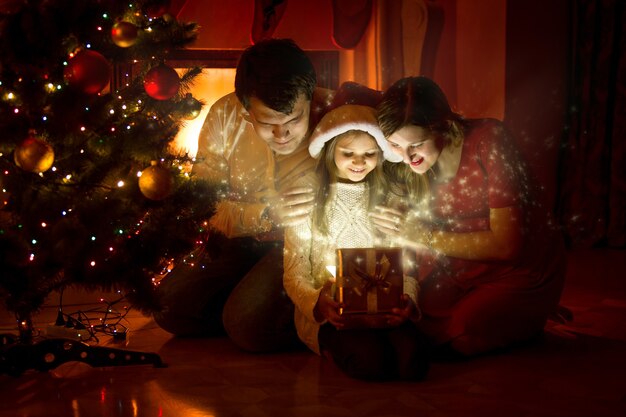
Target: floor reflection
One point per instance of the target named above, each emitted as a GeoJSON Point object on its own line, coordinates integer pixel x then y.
{"type": "Point", "coordinates": [576, 370]}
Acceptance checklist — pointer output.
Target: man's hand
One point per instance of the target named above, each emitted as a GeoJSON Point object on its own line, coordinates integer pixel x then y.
{"type": "Point", "coordinates": [292, 206]}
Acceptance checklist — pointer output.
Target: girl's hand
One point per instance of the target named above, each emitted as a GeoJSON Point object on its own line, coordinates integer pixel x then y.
{"type": "Point", "coordinates": [327, 308]}
{"type": "Point", "coordinates": [407, 311]}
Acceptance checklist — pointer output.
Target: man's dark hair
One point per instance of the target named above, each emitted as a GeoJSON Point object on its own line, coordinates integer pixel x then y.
{"type": "Point", "coordinates": [275, 71]}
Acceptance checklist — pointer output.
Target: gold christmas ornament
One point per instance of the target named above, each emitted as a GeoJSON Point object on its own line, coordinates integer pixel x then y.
{"type": "Point", "coordinates": [156, 182]}
{"type": "Point", "coordinates": [34, 155]}
{"type": "Point", "coordinates": [168, 18]}
{"type": "Point", "coordinates": [124, 34]}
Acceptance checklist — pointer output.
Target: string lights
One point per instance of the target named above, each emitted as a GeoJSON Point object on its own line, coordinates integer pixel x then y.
{"type": "Point", "coordinates": [77, 127]}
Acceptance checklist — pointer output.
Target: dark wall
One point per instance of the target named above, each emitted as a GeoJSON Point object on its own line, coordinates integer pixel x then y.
{"type": "Point", "coordinates": [537, 44]}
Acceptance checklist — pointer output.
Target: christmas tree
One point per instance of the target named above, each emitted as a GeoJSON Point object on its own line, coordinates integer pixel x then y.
{"type": "Point", "coordinates": [92, 192]}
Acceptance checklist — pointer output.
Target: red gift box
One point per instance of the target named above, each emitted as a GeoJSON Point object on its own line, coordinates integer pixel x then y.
{"type": "Point", "coordinates": [369, 284]}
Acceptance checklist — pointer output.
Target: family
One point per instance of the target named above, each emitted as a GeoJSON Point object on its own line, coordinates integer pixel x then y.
{"type": "Point", "coordinates": [309, 170]}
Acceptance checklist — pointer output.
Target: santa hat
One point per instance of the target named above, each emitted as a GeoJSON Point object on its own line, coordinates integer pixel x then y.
{"type": "Point", "coordinates": [345, 118]}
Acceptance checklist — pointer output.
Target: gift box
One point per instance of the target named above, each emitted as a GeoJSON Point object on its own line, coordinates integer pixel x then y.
{"type": "Point", "coordinates": [369, 284]}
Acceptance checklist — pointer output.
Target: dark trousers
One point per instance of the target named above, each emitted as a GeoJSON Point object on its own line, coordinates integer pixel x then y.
{"type": "Point", "coordinates": [235, 288]}
{"type": "Point", "coordinates": [398, 353]}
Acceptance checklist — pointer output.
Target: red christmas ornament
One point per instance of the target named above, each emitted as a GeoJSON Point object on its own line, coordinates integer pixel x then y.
{"type": "Point", "coordinates": [124, 34]}
{"type": "Point", "coordinates": [161, 82]}
{"type": "Point", "coordinates": [88, 71]}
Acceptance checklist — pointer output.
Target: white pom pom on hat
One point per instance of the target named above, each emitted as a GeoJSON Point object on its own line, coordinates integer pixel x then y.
{"type": "Point", "coordinates": [345, 118]}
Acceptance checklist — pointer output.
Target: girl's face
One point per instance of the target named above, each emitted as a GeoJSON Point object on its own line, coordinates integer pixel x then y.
{"type": "Point", "coordinates": [417, 147]}
{"type": "Point", "coordinates": [356, 155]}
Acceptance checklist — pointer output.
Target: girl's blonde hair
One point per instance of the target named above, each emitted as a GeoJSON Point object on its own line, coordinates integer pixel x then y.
{"type": "Point", "coordinates": [327, 171]}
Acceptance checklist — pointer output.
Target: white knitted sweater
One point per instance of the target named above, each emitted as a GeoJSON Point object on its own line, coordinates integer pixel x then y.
{"type": "Point", "coordinates": [308, 252]}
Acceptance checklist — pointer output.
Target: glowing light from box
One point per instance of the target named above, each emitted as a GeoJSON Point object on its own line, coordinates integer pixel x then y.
{"type": "Point", "coordinates": [332, 269]}
{"type": "Point", "coordinates": [208, 87]}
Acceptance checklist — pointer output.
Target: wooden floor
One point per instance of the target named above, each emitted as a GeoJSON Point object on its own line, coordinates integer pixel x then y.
{"type": "Point", "coordinates": [576, 369]}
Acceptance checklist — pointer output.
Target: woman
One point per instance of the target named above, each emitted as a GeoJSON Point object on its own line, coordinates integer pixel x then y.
{"type": "Point", "coordinates": [492, 266]}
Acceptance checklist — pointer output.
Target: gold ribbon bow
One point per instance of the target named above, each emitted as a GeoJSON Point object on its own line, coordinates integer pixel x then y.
{"type": "Point", "coordinates": [373, 277]}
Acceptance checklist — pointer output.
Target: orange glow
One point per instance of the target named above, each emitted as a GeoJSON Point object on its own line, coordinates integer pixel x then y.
{"type": "Point", "coordinates": [208, 87]}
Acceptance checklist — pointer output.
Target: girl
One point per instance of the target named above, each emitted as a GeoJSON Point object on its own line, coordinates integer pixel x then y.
{"type": "Point", "coordinates": [499, 266]}
{"type": "Point", "coordinates": [351, 150]}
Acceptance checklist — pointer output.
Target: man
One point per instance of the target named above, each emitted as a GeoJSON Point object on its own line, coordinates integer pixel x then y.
{"type": "Point", "coordinates": [254, 142]}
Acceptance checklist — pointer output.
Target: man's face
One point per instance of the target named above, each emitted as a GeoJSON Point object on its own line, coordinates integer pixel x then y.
{"type": "Point", "coordinates": [282, 132]}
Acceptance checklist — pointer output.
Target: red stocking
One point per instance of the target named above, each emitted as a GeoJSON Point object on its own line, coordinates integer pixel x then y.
{"type": "Point", "coordinates": [267, 15]}
{"type": "Point", "coordinates": [350, 20]}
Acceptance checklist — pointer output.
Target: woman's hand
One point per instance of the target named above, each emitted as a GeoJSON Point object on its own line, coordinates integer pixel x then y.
{"type": "Point", "coordinates": [388, 220]}
{"type": "Point", "coordinates": [327, 308]}
{"type": "Point", "coordinates": [407, 311]}
{"type": "Point", "coordinates": [402, 230]}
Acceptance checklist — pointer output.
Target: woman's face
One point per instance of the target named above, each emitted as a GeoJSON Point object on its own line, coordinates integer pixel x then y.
{"type": "Point", "coordinates": [417, 147]}
{"type": "Point", "coordinates": [356, 155]}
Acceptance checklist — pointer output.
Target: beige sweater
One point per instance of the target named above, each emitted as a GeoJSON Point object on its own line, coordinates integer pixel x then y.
{"type": "Point", "coordinates": [307, 253]}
